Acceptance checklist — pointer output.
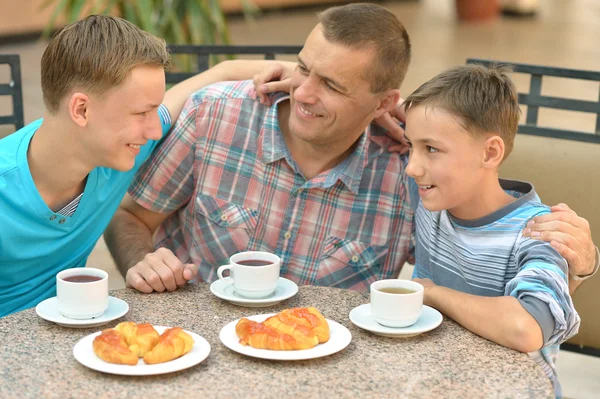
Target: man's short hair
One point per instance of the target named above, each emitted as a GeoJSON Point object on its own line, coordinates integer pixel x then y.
{"type": "Point", "coordinates": [96, 54]}
{"type": "Point", "coordinates": [364, 25]}
{"type": "Point", "coordinates": [484, 99]}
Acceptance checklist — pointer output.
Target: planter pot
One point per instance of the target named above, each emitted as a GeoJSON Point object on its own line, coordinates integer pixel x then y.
{"type": "Point", "coordinates": [477, 10]}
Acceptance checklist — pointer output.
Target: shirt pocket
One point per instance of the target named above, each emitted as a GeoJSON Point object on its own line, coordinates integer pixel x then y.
{"type": "Point", "coordinates": [350, 264]}
{"type": "Point", "coordinates": [223, 228]}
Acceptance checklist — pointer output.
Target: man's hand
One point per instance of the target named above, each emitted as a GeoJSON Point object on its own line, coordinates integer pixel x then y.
{"type": "Point", "coordinates": [391, 122]}
{"type": "Point", "coordinates": [273, 79]}
{"type": "Point", "coordinates": [159, 271]}
{"type": "Point", "coordinates": [569, 234]}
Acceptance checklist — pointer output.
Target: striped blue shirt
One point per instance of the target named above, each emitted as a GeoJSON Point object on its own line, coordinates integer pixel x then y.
{"type": "Point", "coordinates": [490, 257]}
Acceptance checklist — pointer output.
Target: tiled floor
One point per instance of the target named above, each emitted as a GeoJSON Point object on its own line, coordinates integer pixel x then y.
{"type": "Point", "coordinates": [564, 34]}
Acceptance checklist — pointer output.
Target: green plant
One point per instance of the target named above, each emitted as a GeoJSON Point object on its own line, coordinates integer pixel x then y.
{"type": "Point", "coordinates": [176, 21]}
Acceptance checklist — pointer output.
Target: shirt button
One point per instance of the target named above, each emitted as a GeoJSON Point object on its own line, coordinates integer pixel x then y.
{"type": "Point", "coordinates": [223, 217]}
{"type": "Point", "coordinates": [52, 217]}
{"type": "Point", "coordinates": [61, 221]}
{"type": "Point", "coordinates": [287, 234]}
{"type": "Point", "coordinates": [355, 258]}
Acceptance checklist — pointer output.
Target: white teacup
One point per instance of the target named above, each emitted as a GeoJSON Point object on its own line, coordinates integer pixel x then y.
{"type": "Point", "coordinates": [396, 303]}
{"type": "Point", "coordinates": [82, 292]}
{"type": "Point", "coordinates": [254, 274]}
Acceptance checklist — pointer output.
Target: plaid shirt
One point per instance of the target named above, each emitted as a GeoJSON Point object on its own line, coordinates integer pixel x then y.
{"type": "Point", "coordinates": [227, 176]}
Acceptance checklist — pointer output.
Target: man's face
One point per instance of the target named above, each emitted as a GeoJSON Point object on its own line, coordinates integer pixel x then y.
{"type": "Point", "coordinates": [331, 102]}
{"type": "Point", "coordinates": [445, 161]}
{"type": "Point", "coordinates": [125, 118]}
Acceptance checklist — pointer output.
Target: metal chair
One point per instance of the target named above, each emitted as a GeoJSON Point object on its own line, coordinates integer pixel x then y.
{"type": "Point", "coordinates": [534, 100]}
{"type": "Point", "coordinates": [204, 52]}
{"type": "Point", "coordinates": [13, 88]}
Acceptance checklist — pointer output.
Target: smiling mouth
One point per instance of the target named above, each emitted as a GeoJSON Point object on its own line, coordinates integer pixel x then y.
{"type": "Point", "coordinates": [134, 146]}
{"type": "Point", "coordinates": [306, 112]}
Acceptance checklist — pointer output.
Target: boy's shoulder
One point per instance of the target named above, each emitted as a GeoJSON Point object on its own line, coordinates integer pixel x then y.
{"type": "Point", "coordinates": [10, 145]}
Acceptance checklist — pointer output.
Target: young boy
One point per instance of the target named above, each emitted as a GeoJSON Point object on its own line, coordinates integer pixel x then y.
{"type": "Point", "coordinates": [62, 177]}
{"type": "Point", "coordinates": [476, 266]}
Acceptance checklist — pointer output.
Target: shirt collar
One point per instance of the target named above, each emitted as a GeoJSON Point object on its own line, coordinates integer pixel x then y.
{"type": "Point", "coordinates": [349, 171]}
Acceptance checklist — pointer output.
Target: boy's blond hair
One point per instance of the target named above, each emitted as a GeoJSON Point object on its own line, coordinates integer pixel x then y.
{"type": "Point", "coordinates": [364, 25]}
{"type": "Point", "coordinates": [484, 99]}
{"type": "Point", "coordinates": [96, 54]}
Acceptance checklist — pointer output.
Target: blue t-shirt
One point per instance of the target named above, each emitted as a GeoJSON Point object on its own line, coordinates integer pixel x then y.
{"type": "Point", "coordinates": [37, 243]}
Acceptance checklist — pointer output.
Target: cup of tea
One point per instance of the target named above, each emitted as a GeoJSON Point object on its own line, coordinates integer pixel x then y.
{"type": "Point", "coordinates": [82, 292]}
{"type": "Point", "coordinates": [396, 303]}
{"type": "Point", "coordinates": [254, 274]}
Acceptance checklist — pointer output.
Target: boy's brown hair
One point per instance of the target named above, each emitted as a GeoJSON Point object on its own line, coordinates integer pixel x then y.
{"type": "Point", "coordinates": [484, 99]}
{"type": "Point", "coordinates": [96, 54]}
{"type": "Point", "coordinates": [362, 26]}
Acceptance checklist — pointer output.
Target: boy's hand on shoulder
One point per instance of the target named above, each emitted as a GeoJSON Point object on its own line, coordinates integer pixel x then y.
{"type": "Point", "coordinates": [569, 234]}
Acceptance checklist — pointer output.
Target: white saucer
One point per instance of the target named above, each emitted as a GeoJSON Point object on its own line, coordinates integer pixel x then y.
{"type": "Point", "coordinates": [48, 310]}
{"type": "Point", "coordinates": [285, 289]}
{"type": "Point", "coordinates": [84, 354]}
{"type": "Point", "coordinates": [362, 317]}
{"type": "Point", "coordinates": [339, 338]}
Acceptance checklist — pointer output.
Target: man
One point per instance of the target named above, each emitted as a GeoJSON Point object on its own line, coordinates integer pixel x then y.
{"type": "Point", "coordinates": [308, 177]}
{"type": "Point", "coordinates": [62, 177]}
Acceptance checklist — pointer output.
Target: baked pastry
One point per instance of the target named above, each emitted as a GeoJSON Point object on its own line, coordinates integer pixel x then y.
{"type": "Point", "coordinates": [129, 341]}
{"type": "Point", "coordinates": [291, 329]}
{"type": "Point", "coordinates": [111, 347]}
{"type": "Point", "coordinates": [258, 335]}
{"type": "Point", "coordinates": [172, 344]}
{"type": "Point", "coordinates": [309, 317]}
{"type": "Point", "coordinates": [140, 338]}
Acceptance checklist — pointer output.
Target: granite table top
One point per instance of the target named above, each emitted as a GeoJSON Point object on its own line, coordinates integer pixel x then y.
{"type": "Point", "coordinates": [36, 357]}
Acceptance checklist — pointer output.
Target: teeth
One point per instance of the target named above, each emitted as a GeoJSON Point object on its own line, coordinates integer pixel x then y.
{"type": "Point", "coordinates": [305, 112]}
{"type": "Point", "coordinates": [425, 187]}
{"type": "Point", "coordinates": [134, 146]}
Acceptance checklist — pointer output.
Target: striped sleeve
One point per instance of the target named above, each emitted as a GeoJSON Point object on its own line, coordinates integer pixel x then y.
{"type": "Point", "coordinates": [543, 275]}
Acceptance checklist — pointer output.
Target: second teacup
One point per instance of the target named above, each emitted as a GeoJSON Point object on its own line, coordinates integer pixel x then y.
{"type": "Point", "coordinates": [254, 274]}
{"type": "Point", "coordinates": [396, 303]}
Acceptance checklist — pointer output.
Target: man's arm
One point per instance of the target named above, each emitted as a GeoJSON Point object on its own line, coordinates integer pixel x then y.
{"type": "Point", "coordinates": [571, 236]}
{"type": "Point", "coordinates": [500, 319]}
{"type": "Point", "coordinates": [129, 240]}
{"type": "Point", "coordinates": [177, 95]}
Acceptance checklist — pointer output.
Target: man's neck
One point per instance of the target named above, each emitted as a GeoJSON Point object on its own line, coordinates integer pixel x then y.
{"type": "Point", "coordinates": [311, 159]}
{"type": "Point", "coordinates": [490, 197]}
{"type": "Point", "coordinates": [56, 164]}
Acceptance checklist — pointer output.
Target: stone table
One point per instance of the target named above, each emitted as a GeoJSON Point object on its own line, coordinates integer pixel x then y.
{"type": "Point", "coordinates": [36, 359]}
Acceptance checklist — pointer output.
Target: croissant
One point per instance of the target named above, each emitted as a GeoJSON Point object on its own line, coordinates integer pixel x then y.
{"type": "Point", "coordinates": [291, 329]}
{"type": "Point", "coordinates": [304, 337]}
{"type": "Point", "coordinates": [140, 338]}
{"type": "Point", "coordinates": [111, 347]}
{"type": "Point", "coordinates": [172, 344]}
{"type": "Point", "coordinates": [309, 317]}
{"type": "Point", "coordinates": [258, 335]}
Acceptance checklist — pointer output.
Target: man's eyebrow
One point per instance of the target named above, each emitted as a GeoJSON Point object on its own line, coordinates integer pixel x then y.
{"type": "Point", "coordinates": [338, 86]}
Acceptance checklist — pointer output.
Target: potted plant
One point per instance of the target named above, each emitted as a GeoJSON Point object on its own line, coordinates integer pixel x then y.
{"type": "Point", "coordinates": [176, 21]}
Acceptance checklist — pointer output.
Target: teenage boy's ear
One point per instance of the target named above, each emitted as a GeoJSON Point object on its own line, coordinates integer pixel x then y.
{"type": "Point", "coordinates": [78, 108]}
{"type": "Point", "coordinates": [387, 102]}
{"type": "Point", "coordinates": [493, 152]}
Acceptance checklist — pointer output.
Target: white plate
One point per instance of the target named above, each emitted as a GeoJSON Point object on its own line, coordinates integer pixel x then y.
{"type": "Point", "coordinates": [285, 289]}
{"type": "Point", "coordinates": [84, 354]}
{"type": "Point", "coordinates": [339, 338]}
{"type": "Point", "coordinates": [48, 310]}
{"type": "Point", "coordinates": [362, 317]}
